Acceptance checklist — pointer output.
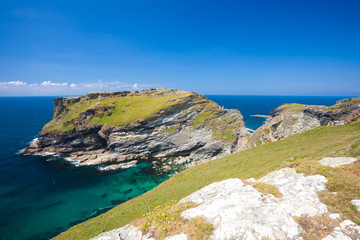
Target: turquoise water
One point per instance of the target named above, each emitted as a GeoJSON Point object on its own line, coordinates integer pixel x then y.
{"type": "Point", "coordinates": [42, 196]}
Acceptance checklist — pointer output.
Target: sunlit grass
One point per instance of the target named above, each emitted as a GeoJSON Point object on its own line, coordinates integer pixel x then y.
{"type": "Point", "coordinates": [255, 162]}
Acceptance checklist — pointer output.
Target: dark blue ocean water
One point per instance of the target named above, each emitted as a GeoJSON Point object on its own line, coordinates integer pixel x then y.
{"type": "Point", "coordinates": [41, 197]}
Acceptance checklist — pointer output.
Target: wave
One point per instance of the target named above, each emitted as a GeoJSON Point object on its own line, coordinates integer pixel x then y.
{"type": "Point", "coordinates": [73, 162]}
{"type": "Point", "coordinates": [33, 141]}
{"type": "Point", "coordinates": [46, 154]}
{"type": "Point", "coordinates": [101, 211]}
{"type": "Point", "coordinates": [107, 168]}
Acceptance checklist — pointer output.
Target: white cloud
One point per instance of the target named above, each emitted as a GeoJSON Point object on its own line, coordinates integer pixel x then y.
{"type": "Point", "coordinates": [48, 88]}
{"type": "Point", "coordinates": [49, 83]}
{"type": "Point", "coordinates": [13, 83]}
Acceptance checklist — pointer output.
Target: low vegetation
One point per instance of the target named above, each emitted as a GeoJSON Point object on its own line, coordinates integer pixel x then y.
{"type": "Point", "coordinates": [114, 111]}
{"type": "Point", "coordinates": [300, 107]}
{"type": "Point", "coordinates": [316, 227]}
{"type": "Point", "coordinates": [294, 107]}
{"type": "Point", "coordinates": [265, 188]}
{"type": "Point", "coordinates": [222, 128]}
{"type": "Point", "coordinates": [343, 185]}
{"type": "Point", "coordinates": [305, 147]}
{"type": "Point", "coordinates": [166, 221]}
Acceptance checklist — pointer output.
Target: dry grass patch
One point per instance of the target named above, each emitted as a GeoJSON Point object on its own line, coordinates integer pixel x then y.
{"type": "Point", "coordinates": [316, 227]}
{"type": "Point", "coordinates": [167, 221]}
{"type": "Point", "coordinates": [265, 188]}
{"type": "Point", "coordinates": [343, 186]}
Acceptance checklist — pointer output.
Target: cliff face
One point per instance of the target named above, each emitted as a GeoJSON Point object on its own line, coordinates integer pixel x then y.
{"type": "Point", "coordinates": [118, 127]}
{"type": "Point", "coordinates": [290, 119]}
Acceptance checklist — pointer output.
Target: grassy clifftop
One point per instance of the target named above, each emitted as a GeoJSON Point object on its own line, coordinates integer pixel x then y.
{"type": "Point", "coordinates": [339, 106]}
{"type": "Point", "coordinates": [121, 109]}
{"type": "Point", "coordinates": [301, 151]}
{"type": "Point", "coordinates": [114, 110]}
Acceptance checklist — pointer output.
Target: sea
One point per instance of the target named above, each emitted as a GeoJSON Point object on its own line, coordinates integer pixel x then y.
{"type": "Point", "coordinates": [42, 196]}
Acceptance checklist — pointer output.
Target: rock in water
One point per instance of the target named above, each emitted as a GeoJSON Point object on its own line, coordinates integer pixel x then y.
{"type": "Point", "coordinates": [290, 119]}
{"type": "Point", "coordinates": [109, 128]}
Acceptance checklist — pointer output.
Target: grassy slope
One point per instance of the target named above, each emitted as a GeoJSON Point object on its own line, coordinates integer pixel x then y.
{"type": "Point", "coordinates": [255, 162]}
{"type": "Point", "coordinates": [127, 109]}
{"type": "Point", "coordinates": [300, 107]}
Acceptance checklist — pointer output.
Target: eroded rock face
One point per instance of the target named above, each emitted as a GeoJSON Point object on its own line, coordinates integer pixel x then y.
{"type": "Point", "coordinates": [184, 124]}
{"type": "Point", "coordinates": [290, 119]}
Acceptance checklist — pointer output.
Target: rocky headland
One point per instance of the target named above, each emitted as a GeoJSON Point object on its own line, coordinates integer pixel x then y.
{"type": "Point", "coordinates": [290, 119]}
{"type": "Point", "coordinates": [119, 128]}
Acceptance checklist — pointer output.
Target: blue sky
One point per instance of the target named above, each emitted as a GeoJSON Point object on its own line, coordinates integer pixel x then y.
{"type": "Point", "coordinates": [60, 47]}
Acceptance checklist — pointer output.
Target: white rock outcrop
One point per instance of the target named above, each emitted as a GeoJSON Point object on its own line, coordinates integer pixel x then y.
{"type": "Point", "coordinates": [356, 203]}
{"type": "Point", "coordinates": [128, 232]}
{"type": "Point", "coordinates": [337, 162]}
{"type": "Point", "coordinates": [299, 192]}
{"type": "Point", "coordinates": [335, 216]}
{"type": "Point", "coordinates": [180, 236]}
{"type": "Point", "coordinates": [346, 231]}
{"type": "Point", "coordinates": [238, 211]}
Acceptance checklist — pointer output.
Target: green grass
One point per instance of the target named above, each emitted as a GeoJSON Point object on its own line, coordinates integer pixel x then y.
{"type": "Point", "coordinates": [254, 162]}
{"type": "Point", "coordinates": [173, 129]}
{"type": "Point", "coordinates": [300, 107]}
{"type": "Point", "coordinates": [345, 181]}
{"type": "Point", "coordinates": [125, 110]}
{"type": "Point", "coordinates": [128, 109]}
{"type": "Point", "coordinates": [167, 221]}
{"type": "Point", "coordinates": [206, 115]}
{"type": "Point", "coordinates": [293, 107]}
